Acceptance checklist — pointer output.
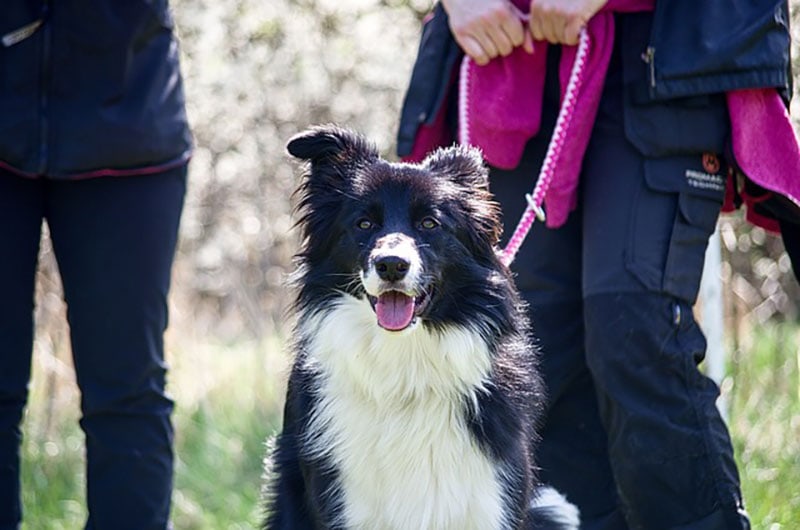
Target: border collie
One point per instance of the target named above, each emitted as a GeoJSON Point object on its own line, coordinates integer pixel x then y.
{"type": "Point", "coordinates": [413, 397]}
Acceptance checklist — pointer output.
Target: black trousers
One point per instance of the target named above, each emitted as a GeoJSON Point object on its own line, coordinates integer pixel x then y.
{"type": "Point", "coordinates": [632, 433]}
{"type": "Point", "coordinates": [114, 240]}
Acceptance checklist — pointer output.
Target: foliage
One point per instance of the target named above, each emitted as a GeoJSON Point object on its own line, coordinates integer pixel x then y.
{"type": "Point", "coordinates": [257, 73]}
{"type": "Point", "coordinates": [764, 396]}
{"type": "Point", "coordinates": [757, 276]}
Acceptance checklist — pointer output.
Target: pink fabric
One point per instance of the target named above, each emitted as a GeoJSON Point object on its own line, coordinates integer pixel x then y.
{"type": "Point", "coordinates": [500, 104]}
{"type": "Point", "coordinates": [765, 146]}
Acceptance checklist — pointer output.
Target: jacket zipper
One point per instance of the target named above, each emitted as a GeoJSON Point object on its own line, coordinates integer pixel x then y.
{"type": "Point", "coordinates": [20, 34]}
{"type": "Point", "coordinates": [649, 56]}
{"type": "Point", "coordinates": [44, 125]}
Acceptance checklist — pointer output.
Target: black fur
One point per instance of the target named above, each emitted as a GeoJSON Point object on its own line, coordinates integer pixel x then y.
{"type": "Point", "coordinates": [346, 181]}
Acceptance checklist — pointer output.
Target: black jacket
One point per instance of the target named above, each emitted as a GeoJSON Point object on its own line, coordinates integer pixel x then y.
{"type": "Point", "coordinates": [90, 87]}
{"type": "Point", "coordinates": [707, 46]}
{"type": "Point", "coordinates": [688, 49]}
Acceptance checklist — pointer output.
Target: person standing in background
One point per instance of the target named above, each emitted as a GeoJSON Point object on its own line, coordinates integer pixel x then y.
{"type": "Point", "coordinates": [632, 434]}
{"type": "Point", "coordinates": [94, 140]}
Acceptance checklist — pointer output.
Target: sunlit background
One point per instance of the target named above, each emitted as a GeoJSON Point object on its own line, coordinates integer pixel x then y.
{"type": "Point", "coordinates": [257, 72]}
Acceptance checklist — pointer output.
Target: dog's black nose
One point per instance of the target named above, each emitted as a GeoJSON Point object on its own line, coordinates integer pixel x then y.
{"type": "Point", "coordinates": [391, 268]}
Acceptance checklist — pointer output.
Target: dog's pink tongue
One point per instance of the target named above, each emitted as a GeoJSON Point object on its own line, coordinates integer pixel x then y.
{"type": "Point", "coordinates": [395, 310]}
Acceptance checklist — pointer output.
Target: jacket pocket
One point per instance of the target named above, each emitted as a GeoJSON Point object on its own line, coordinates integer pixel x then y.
{"type": "Point", "coordinates": [661, 128]}
{"type": "Point", "coordinates": [732, 45]}
{"type": "Point", "coordinates": [693, 186]}
{"type": "Point", "coordinates": [680, 126]}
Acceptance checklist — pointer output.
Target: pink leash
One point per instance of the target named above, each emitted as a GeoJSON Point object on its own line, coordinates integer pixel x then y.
{"type": "Point", "coordinates": [535, 199]}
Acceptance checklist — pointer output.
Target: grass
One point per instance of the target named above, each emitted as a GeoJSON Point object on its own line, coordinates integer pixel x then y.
{"type": "Point", "coordinates": [227, 405]}
{"type": "Point", "coordinates": [764, 393]}
{"type": "Point", "coordinates": [228, 402]}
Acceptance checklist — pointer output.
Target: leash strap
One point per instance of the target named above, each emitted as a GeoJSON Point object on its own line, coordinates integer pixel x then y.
{"type": "Point", "coordinates": [535, 199]}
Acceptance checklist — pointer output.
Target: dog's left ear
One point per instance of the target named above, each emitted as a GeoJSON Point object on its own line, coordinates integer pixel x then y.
{"type": "Point", "coordinates": [330, 144]}
{"type": "Point", "coordinates": [464, 166]}
{"type": "Point", "coordinates": [461, 164]}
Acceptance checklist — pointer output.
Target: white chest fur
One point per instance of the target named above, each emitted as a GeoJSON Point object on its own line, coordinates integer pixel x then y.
{"type": "Point", "coordinates": [390, 416]}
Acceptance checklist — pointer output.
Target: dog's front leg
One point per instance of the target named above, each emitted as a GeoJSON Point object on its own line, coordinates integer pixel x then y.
{"type": "Point", "coordinates": [301, 493]}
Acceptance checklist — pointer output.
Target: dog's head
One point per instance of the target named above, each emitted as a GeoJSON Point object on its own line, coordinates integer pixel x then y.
{"type": "Point", "coordinates": [417, 241]}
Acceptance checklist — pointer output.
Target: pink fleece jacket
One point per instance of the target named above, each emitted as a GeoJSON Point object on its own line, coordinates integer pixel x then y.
{"type": "Point", "coordinates": [765, 148]}
{"type": "Point", "coordinates": [500, 108]}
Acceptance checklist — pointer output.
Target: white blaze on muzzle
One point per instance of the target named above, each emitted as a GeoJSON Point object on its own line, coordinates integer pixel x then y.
{"type": "Point", "coordinates": [393, 279]}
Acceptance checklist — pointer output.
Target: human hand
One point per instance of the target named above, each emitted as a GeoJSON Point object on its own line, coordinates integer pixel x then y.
{"type": "Point", "coordinates": [561, 21]}
{"type": "Point", "coordinates": [486, 29]}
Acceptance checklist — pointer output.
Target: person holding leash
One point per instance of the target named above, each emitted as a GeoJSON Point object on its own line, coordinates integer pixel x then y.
{"type": "Point", "coordinates": [670, 99]}
{"type": "Point", "coordinates": [94, 140]}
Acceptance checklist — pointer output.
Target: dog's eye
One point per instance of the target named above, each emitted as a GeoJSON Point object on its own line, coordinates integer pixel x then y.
{"type": "Point", "coordinates": [429, 223]}
{"type": "Point", "coordinates": [364, 224]}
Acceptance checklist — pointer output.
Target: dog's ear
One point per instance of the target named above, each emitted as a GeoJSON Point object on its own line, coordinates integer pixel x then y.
{"type": "Point", "coordinates": [464, 166]}
{"type": "Point", "coordinates": [333, 156]}
{"type": "Point", "coordinates": [330, 144]}
{"type": "Point", "coordinates": [461, 164]}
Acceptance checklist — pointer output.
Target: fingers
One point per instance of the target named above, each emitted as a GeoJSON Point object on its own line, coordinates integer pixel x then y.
{"type": "Point", "coordinates": [549, 22]}
{"type": "Point", "coordinates": [513, 28]}
{"type": "Point", "coordinates": [498, 37]}
{"type": "Point", "coordinates": [481, 50]}
{"type": "Point", "coordinates": [560, 21]}
{"type": "Point", "coordinates": [544, 26]}
{"type": "Point", "coordinates": [572, 31]}
{"type": "Point", "coordinates": [485, 30]}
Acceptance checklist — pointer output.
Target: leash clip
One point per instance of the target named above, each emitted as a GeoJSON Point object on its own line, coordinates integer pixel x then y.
{"type": "Point", "coordinates": [537, 209]}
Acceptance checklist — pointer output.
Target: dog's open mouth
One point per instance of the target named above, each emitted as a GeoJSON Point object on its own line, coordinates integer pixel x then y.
{"type": "Point", "coordinates": [397, 310]}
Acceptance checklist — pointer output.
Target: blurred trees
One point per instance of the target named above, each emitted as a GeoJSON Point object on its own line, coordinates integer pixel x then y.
{"type": "Point", "coordinates": [258, 72]}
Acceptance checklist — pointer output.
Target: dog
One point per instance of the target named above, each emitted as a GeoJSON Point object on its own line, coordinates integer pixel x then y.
{"type": "Point", "coordinates": [414, 395]}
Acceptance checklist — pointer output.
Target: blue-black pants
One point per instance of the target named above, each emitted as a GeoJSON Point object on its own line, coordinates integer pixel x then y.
{"type": "Point", "coordinates": [114, 240]}
{"type": "Point", "coordinates": [632, 433]}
